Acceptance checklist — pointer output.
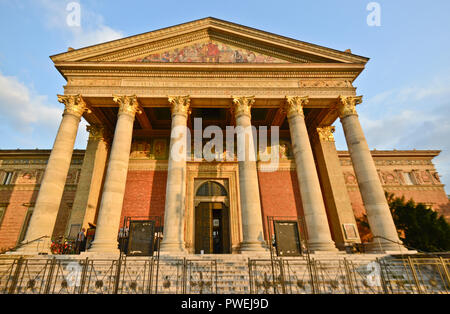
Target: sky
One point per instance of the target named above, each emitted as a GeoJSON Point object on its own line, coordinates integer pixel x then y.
{"type": "Point", "coordinates": [406, 84]}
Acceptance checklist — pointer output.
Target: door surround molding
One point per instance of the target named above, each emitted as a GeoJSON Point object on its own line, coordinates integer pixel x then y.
{"type": "Point", "coordinates": [226, 175]}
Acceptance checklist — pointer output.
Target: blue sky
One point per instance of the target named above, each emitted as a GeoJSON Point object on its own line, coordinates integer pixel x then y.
{"type": "Point", "coordinates": [406, 84]}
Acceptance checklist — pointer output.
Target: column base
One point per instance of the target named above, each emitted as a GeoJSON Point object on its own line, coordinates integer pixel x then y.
{"type": "Point", "coordinates": [105, 247]}
{"type": "Point", "coordinates": [386, 247]}
{"type": "Point", "coordinates": [172, 247]}
{"type": "Point", "coordinates": [100, 255]}
{"type": "Point", "coordinates": [38, 247]}
{"type": "Point", "coordinates": [252, 247]}
{"type": "Point", "coordinates": [321, 247]}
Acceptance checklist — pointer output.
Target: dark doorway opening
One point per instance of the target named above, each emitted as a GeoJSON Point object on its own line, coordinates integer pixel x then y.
{"type": "Point", "coordinates": [212, 228]}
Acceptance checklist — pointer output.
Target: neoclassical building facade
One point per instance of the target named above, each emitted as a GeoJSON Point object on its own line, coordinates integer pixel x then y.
{"type": "Point", "coordinates": [134, 92]}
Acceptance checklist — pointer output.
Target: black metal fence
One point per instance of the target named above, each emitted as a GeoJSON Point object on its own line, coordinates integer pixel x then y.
{"type": "Point", "coordinates": [96, 276]}
{"type": "Point", "coordinates": [407, 275]}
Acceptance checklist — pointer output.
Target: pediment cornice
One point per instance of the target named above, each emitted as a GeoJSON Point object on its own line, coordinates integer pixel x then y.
{"type": "Point", "coordinates": [288, 49]}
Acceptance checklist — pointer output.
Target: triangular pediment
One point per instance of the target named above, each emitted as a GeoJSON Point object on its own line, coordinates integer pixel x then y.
{"type": "Point", "coordinates": [210, 51]}
{"type": "Point", "coordinates": [208, 40]}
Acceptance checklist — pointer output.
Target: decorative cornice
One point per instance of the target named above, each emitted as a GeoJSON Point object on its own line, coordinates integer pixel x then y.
{"type": "Point", "coordinates": [127, 105]}
{"type": "Point", "coordinates": [347, 105]}
{"type": "Point", "coordinates": [195, 70]}
{"type": "Point", "coordinates": [74, 105]}
{"type": "Point", "coordinates": [243, 106]}
{"type": "Point", "coordinates": [437, 187]}
{"type": "Point", "coordinates": [215, 26]}
{"type": "Point", "coordinates": [294, 105]}
{"type": "Point", "coordinates": [180, 105]}
{"type": "Point", "coordinates": [326, 133]}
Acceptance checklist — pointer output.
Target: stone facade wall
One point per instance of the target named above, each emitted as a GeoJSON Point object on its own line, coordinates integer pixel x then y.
{"type": "Point", "coordinates": [423, 185]}
{"type": "Point", "coordinates": [21, 193]}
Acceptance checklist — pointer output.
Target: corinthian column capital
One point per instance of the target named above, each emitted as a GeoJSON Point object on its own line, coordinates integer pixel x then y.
{"type": "Point", "coordinates": [347, 105]}
{"type": "Point", "coordinates": [294, 105]}
{"type": "Point", "coordinates": [180, 105]}
{"type": "Point", "coordinates": [243, 106]}
{"type": "Point", "coordinates": [127, 104]}
{"type": "Point", "coordinates": [326, 133]}
{"type": "Point", "coordinates": [96, 132]}
{"type": "Point", "coordinates": [74, 104]}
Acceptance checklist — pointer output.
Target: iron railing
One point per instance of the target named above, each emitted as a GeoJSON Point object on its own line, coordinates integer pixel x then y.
{"type": "Point", "coordinates": [417, 274]}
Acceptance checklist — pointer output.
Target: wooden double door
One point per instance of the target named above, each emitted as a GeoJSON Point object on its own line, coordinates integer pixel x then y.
{"type": "Point", "coordinates": [212, 228]}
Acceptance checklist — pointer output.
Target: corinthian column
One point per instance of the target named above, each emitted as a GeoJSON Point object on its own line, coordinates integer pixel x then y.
{"type": "Point", "coordinates": [116, 175]}
{"type": "Point", "coordinates": [52, 185]}
{"type": "Point", "coordinates": [319, 236]}
{"type": "Point", "coordinates": [378, 213]}
{"type": "Point", "coordinates": [91, 176]}
{"type": "Point", "coordinates": [173, 239]}
{"type": "Point", "coordinates": [252, 229]}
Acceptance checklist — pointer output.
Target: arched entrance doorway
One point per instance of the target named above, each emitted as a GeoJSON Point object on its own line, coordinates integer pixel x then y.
{"type": "Point", "coordinates": [212, 220]}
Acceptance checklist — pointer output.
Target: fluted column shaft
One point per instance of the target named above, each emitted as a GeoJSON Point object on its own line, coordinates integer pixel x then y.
{"type": "Point", "coordinates": [252, 228]}
{"type": "Point", "coordinates": [110, 211]}
{"type": "Point", "coordinates": [372, 193]}
{"type": "Point", "coordinates": [52, 185]}
{"type": "Point", "coordinates": [319, 235]}
{"type": "Point", "coordinates": [175, 206]}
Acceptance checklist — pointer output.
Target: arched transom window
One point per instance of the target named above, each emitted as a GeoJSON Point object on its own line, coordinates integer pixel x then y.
{"type": "Point", "coordinates": [211, 188]}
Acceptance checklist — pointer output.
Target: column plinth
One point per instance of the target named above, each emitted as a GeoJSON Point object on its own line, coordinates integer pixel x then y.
{"type": "Point", "coordinates": [252, 228]}
{"type": "Point", "coordinates": [110, 211]}
{"type": "Point", "coordinates": [175, 205]}
{"type": "Point", "coordinates": [319, 235]}
{"type": "Point", "coordinates": [52, 186]}
{"type": "Point", "coordinates": [372, 193]}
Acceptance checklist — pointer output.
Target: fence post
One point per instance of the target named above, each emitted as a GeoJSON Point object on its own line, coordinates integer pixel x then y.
{"type": "Point", "coordinates": [447, 276]}
{"type": "Point", "coordinates": [16, 275]}
{"type": "Point", "coordinates": [184, 277]}
{"type": "Point", "coordinates": [282, 280]}
{"type": "Point", "coordinates": [314, 277]}
{"type": "Point", "coordinates": [413, 271]}
{"type": "Point", "coordinates": [50, 276]}
{"type": "Point", "coordinates": [349, 276]}
{"type": "Point", "coordinates": [250, 276]}
{"type": "Point", "coordinates": [383, 279]}
{"type": "Point", "coordinates": [117, 279]}
{"type": "Point", "coordinates": [83, 275]}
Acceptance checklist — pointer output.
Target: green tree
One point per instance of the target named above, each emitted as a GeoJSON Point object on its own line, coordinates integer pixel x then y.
{"type": "Point", "coordinates": [419, 227]}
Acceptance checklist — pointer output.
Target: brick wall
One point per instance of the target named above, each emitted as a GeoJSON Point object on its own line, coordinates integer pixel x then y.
{"type": "Point", "coordinates": [280, 195]}
{"type": "Point", "coordinates": [145, 194]}
{"type": "Point", "coordinates": [14, 216]}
